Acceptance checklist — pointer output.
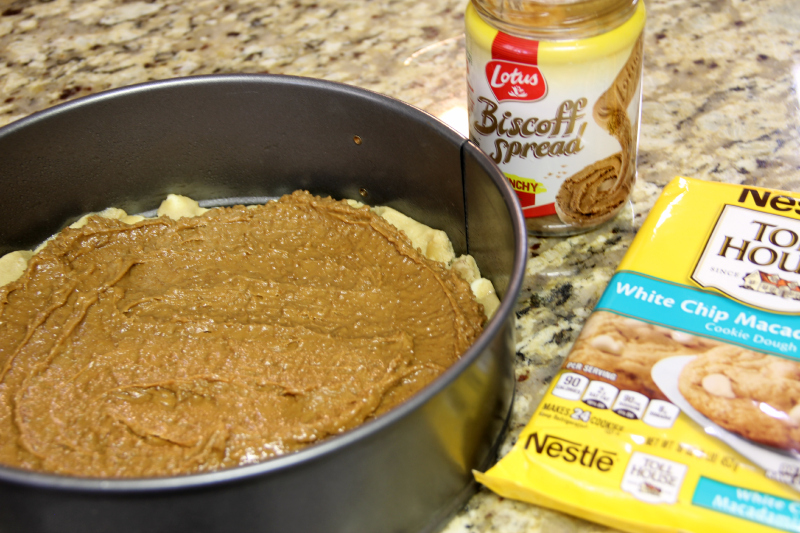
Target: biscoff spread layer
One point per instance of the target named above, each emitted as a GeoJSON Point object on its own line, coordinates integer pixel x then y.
{"type": "Point", "coordinates": [166, 346]}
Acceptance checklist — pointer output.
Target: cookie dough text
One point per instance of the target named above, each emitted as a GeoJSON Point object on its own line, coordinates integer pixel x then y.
{"type": "Point", "coordinates": [747, 327]}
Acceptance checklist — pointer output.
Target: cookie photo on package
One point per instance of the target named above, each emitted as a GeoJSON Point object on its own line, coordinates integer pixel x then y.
{"type": "Point", "coordinates": [678, 407]}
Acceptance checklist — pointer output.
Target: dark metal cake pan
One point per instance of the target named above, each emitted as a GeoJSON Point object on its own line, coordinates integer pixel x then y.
{"type": "Point", "coordinates": [256, 136]}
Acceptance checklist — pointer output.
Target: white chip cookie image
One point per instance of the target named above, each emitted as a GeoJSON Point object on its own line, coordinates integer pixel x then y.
{"type": "Point", "coordinates": [622, 351]}
{"type": "Point", "coordinates": [752, 394]}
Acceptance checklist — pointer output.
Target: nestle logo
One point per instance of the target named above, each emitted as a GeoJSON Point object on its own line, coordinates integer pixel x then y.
{"type": "Point", "coordinates": [515, 81]}
{"type": "Point", "coordinates": [572, 452]}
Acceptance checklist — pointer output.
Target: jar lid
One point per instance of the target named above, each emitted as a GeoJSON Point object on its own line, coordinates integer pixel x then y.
{"type": "Point", "coordinates": [555, 19]}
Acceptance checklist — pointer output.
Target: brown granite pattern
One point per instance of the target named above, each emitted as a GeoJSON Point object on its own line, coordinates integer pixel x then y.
{"type": "Point", "coordinates": [720, 103]}
{"type": "Point", "coordinates": [56, 51]}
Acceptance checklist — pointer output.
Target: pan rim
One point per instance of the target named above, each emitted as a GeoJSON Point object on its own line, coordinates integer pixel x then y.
{"type": "Point", "coordinates": [330, 445]}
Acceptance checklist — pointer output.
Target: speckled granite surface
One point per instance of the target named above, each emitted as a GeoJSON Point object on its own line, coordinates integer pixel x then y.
{"type": "Point", "coordinates": [720, 103]}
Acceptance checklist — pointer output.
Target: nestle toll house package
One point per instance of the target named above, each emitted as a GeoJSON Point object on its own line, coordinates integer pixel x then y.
{"type": "Point", "coordinates": [678, 408]}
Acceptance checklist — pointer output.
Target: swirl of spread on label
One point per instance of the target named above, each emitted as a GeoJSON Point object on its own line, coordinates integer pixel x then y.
{"type": "Point", "coordinates": [597, 193]}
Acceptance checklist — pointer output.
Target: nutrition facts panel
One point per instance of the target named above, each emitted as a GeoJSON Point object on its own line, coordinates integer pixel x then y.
{"type": "Point", "coordinates": [625, 403]}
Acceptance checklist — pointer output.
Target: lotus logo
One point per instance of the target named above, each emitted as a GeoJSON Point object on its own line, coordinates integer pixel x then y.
{"type": "Point", "coordinates": [515, 81]}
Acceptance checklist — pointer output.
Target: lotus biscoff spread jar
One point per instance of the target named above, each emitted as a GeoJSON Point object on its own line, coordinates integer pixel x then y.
{"type": "Point", "coordinates": [554, 91]}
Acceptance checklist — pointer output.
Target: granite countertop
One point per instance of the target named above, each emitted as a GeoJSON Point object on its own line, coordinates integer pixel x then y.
{"type": "Point", "coordinates": [720, 103]}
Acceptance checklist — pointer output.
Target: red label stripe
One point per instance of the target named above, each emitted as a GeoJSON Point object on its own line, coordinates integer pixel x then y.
{"type": "Point", "coordinates": [515, 49]}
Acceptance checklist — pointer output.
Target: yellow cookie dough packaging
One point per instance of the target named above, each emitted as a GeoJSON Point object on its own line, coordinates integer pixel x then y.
{"type": "Point", "coordinates": [678, 408]}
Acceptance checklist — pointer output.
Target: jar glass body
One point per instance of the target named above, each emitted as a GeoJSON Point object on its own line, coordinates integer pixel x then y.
{"type": "Point", "coordinates": [554, 92]}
